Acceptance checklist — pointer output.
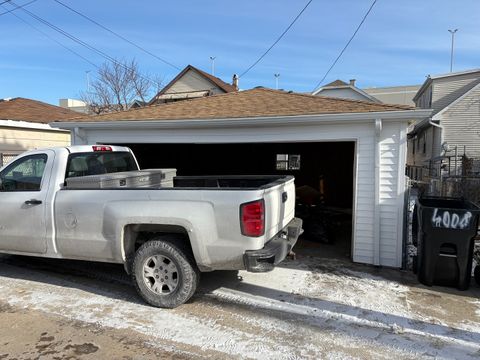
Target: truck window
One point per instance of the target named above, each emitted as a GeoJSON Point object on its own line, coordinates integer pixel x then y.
{"type": "Point", "coordinates": [25, 174]}
{"type": "Point", "coordinates": [95, 163]}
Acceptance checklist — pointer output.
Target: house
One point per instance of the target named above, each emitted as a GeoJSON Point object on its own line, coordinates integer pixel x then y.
{"type": "Point", "coordinates": [192, 83]}
{"type": "Point", "coordinates": [340, 89]}
{"type": "Point", "coordinates": [453, 129]}
{"type": "Point", "coordinates": [24, 126]}
{"type": "Point", "coordinates": [351, 152]}
{"type": "Point", "coordinates": [74, 105]}
{"type": "Point", "coordinates": [402, 95]}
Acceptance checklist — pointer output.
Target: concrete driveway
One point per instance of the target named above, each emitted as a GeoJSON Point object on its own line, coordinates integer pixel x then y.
{"type": "Point", "coordinates": [307, 308]}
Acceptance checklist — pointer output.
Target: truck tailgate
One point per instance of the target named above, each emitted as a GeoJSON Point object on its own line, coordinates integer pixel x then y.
{"type": "Point", "coordinates": [279, 207]}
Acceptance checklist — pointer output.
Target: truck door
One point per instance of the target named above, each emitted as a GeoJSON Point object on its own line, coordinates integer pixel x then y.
{"type": "Point", "coordinates": [23, 203]}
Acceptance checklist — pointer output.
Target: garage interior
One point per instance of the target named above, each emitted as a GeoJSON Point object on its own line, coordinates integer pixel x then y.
{"type": "Point", "coordinates": [324, 178]}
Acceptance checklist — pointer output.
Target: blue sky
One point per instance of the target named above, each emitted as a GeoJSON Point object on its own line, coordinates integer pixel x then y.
{"type": "Point", "coordinates": [400, 43]}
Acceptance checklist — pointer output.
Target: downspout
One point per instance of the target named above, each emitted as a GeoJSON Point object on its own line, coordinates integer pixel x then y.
{"type": "Point", "coordinates": [433, 138]}
{"type": "Point", "coordinates": [376, 225]}
{"type": "Point", "coordinates": [78, 134]}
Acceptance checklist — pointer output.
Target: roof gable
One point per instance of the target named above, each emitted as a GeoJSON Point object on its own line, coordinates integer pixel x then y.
{"type": "Point", "coordinates": [431, 79]}
{"type": "Point", "coordinates": [219, 83]}
{"type": "Point", "coordinates": [247, 104]}
{"type": "Point", "coordinates": [21, 109]}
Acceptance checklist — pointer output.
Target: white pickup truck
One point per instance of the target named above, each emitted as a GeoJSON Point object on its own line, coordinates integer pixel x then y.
{"type": "Point", "coordinates": [164, 236]}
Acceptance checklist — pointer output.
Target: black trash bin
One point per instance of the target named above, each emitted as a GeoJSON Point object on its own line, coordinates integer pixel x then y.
{"type": "Point", "coordinates": [445, 239]}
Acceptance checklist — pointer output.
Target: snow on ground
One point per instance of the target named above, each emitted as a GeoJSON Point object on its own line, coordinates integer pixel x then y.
{"type": "Point", "coordinates": [308, 308]}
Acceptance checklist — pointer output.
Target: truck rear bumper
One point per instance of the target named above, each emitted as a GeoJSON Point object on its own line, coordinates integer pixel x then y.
{"type": "Point", "coordinates": [275, 250]}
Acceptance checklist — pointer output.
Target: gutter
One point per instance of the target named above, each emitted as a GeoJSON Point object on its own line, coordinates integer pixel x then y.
{"type": "Point", "coordinates": [249, 121]}
{"type": "Point", "coordinates": [20, 124]}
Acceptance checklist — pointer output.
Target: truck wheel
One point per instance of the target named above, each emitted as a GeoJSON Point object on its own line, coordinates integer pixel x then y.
{"type": "Point", "coordinates": [164, 274]}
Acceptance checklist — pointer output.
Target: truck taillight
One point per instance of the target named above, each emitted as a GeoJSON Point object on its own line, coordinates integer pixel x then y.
{"type": "Point", "coordinates": [252, 218]}
{"type": "Point", "coordinates": [101, 148]}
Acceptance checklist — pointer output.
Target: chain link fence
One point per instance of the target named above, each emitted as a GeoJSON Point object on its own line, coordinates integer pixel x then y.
{"type": "Point", "coordinates": [5, 158]}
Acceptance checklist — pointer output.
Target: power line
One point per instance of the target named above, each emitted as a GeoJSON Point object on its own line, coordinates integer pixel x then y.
{"type": "Point", "coordinates": [17, 7]}
{"type": "Point", "coordinates": [346, 45]}
{"type": "Point", "coordinates": [78, 41]}
{"type": "Point", "coordinates": [117, 35]}
{"type": "Point", "coordinates": [124, 39]}
{"type": "Point", "coordinates": [276, 41]}
{"type": "Point", "coordinates": [54, 40]}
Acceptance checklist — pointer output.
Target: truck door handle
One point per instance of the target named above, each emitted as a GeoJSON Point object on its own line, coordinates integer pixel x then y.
{"type": "Point", "coordinates": [33, 202]}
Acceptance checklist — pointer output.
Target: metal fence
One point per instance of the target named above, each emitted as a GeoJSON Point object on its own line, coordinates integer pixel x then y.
{"type": "Point", "coordinates": [452, 176]}
{"type": "Point", "coordinates": [5, 158]}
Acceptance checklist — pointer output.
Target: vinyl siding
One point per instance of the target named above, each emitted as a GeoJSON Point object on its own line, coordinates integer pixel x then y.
{"type": "Point", "coordinates": [461, 122]}
{"type": "Point", "coordinates": [193, 81]}
{"type": "Point", "coordinates": [345, 93]}
{"type": "Point", "coordinates": [391, 186]}
{"type": "Point", "coordinates": [446, 90]}
{"type": "Point", "coordinates": [17, 140]}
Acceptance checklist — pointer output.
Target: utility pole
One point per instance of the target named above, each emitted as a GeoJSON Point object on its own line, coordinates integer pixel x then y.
{"type": "Point", "coordinates": [212, 58]}
{"type": "Point", "coordinates": [451, 52]}
{"type": "Point", "coordinates": [276, 80]}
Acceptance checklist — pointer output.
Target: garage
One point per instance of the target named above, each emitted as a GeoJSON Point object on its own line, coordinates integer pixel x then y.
{"type": "Point", "coordinates": [346, 155]}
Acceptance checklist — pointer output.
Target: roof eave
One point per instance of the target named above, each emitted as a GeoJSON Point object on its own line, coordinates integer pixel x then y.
{"type": "Point", "coordinates": [404, 115]}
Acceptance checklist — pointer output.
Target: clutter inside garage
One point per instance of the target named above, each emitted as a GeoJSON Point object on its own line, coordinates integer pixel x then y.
{"type": "Point", "coordinates": [324, 178]}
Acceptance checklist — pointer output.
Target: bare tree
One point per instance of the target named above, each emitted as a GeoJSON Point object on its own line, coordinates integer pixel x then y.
{"type": "Point", "coordinates": [117, 85]}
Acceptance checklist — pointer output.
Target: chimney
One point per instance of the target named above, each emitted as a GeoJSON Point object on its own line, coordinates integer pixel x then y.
{"type": "Point", "coordinates": [235, 81]}
{"type": "Point", "coordinates": [352, 82]}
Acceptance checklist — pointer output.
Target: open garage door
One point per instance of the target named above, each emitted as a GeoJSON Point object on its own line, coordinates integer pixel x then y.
{"type": "Point", "coordinates": [324, 177]}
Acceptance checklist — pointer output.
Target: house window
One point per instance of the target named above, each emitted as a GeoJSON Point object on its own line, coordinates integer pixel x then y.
{"type": "Point", "coordinates": [424, 143]}
{"type": "Point", "coordinates": [288, 162]}
{"type": "Point", "coordinates": [413, 147]}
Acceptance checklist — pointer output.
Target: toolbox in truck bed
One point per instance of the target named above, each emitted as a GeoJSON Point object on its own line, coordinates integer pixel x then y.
{"type": "Point", "coordinates": [128, 179]}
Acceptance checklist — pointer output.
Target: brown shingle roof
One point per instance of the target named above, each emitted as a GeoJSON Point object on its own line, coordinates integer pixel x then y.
{"type": "Point", "coordinates": [336, 83]}
{"type": "Point", "coordinates": [22, 109]}
{"type": "Point", "coordinates": [249, 103]}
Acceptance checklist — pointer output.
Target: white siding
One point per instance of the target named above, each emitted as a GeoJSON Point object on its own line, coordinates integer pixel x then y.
{"type": "Point", "coordinates": [462, 123]}
{"type": "Point", "coordinates": [446, 90]}
{"type": "Point", "coordinates": [392, 164]}
{"type": "Point", "coordinates": [17, 140]}
{"type": "Point", "coordinates": [343, 93]}
{"type": "Point", "coordinates": [192, 81]}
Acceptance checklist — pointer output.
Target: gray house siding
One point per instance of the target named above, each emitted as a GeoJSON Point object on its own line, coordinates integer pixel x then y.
{"type": "Point", "coordinates": [461, 122]}
{"type": "Point", "coordinates": [446, 90]}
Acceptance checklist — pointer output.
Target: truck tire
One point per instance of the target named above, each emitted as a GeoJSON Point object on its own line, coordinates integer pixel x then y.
{"type": "Point", "coordinates": [164, 273]}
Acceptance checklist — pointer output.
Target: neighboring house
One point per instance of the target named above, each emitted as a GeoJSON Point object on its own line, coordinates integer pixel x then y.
{"type": "Point", "coordinates": [192, 83]}
{"type": "Point", "coordinates": [454, 127]}
{"type": "Point", "coordinates": [24, 126]}
{"type": "Point", "coordinates": [74, 105]}
{"type": "Point", "coordinates": [352, 153]}
{"type": "Point", "coordinates": [342, 90]}
{"type": "Point", "coordinates": [137, 104]}
{"type": "Point", "coordinates": [402, 95]}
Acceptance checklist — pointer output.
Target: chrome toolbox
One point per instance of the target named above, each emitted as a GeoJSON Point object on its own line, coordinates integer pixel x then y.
{"type": "Point", "coordinates": [128, 179]}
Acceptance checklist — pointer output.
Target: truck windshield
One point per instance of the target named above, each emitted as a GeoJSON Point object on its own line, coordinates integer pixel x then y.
{"type": "Point", "coordinates": [95, 163]}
